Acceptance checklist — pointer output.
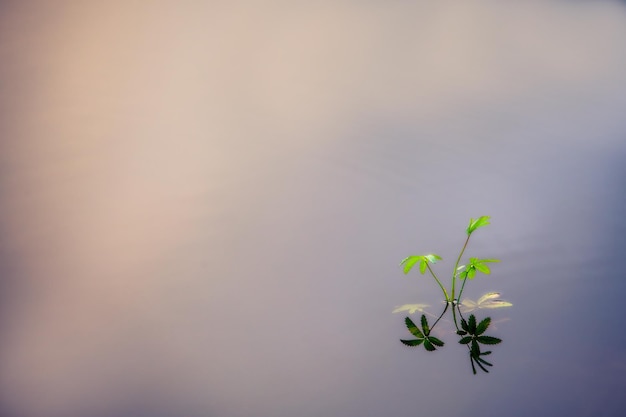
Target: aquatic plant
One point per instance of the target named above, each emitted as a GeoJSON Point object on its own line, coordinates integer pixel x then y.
{"type": "Point", "coordinates": [472, 333]}
{"type": "Point", "coordinates": [462, 272]}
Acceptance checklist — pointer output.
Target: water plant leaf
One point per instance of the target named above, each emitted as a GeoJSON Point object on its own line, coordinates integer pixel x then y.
{"type": "Point", "coordinates": [482, 326]}
{"type": "Point", "coordinates": [475, 349]}
{"type": "Point", "coordinates": [464, 325]}
{"type": "Point", "coordinates": [479, 359]}
{"type": "Point", "coordinates": [465, 340]}
{"type": "Point", "coordinates": [435, 341]}
{"type": "Point", "coordinates": [425, 328]}
{"type": "Point", "coordinates": [409, 262]}
{"type": "Point", "coordinates": [488, 300]}
{"type": "Point", "coordinates": [488, 340]}
{"type": "Point", "coordinates": [480, 365]}
{"type": "Point", "coordinates": [413, 328]}
{"type": "Point", "coordinates": [428, 345]}
{"type": "Point", "coordinates": [477, 223]}
{"type": "Point", "coordinates": [474, 265]}
{"type": "Point", "coordinates": [432, 258]}
{"type": "Point", "coordinates": [488, 296]}
{"type": "Point", "coordinates": [414, 342]}
{"type": "Point", "coordinates": [495, 304]}
{"type": "Point", "coordinates": [411, 308]}
{"type": "Point", "coordinates": [471, 324]}
{"type": "Point", "coordinates": [482, 268]}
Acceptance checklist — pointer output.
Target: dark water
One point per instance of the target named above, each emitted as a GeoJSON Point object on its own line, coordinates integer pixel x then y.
{"type": "Point", "coordinates": [202, 210]}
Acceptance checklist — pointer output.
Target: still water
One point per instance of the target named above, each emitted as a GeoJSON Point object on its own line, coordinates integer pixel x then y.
{"type": "Point", "coordinates": [203, 208]}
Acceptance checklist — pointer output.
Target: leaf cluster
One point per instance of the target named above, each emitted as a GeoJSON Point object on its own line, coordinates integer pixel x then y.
{"type": "Point", "coordinates": [423, 336]}
{"type": "Point", "coordinates": [423, 260]}
{"type": "Point", "coordinates": [473, 336]}
{"type": "Point", "coordinates": [475, 265]}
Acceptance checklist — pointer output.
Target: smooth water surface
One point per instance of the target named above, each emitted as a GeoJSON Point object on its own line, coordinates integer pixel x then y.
{"type": "Point", "coordinates": [203, 208]}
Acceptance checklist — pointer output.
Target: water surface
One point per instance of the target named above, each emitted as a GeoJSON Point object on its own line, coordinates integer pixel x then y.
{"type": "Point", "coordinates": [202, 208]}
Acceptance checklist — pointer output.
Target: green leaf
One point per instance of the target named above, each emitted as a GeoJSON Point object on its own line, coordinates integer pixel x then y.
{"type": "Point", "coordinates": [414, 342]}
{"type": "Point", "coordinates": [471, 272]}
{"type": "Point", "coordinates": [475, 348]}
{"type": "Point", "coordinates": [471, 324]}
{"type": "Point", "coordinates": [477, 223]}
{"type": "Point", "coordinates": [425, 325]}
{"type": "Point", "coordinates": [428, 345]}
{"type": "Point", "coordinates": [461, 332]}
{"type": "Point", "coordinates": [482, 326]}
{"type": "Point", "coordinates": [435, 341]}
{"type": "Point", "coordinates": [488, 340]}
{"type": "Point", "coordinates": [472, 361]}
{"type": "Point", "coordinates": [413, 328]}
{"type": "Point", "coordinates": [465, 340]}
{"type": "Point", "coordinates": [432, 258]}
{"type": "Point", "coordinates": [480, 365]}
{"type": "Point", "coordinates": [482, 268]}
{"type": "Point", "coordinates": [479, 359]}
{"type": "Point", "coordinates": [464, 325]}
{"type": "Point", "coordinates": [409, 262]}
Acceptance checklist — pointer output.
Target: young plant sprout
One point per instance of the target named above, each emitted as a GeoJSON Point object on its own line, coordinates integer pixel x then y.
{"type": "Point", "coordinates": [462, 272]}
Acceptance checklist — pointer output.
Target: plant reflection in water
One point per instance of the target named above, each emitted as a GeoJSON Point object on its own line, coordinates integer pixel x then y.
{"type": "Point", "coordinates": [471, 331]}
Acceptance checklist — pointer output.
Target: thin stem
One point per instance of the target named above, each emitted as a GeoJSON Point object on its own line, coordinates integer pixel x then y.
{"type": "Point", "coordinates": [462, 286]}
{"type": "Point", "coordinates": [445, 293]}
{"type": "Point", "coordinates": [437, 321]}
{"type": "Point", "coordinates": [454, 317]}
{"type": "Point", "coordinates": [457, 265]}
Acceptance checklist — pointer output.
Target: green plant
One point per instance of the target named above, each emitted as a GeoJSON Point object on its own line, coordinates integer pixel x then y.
{"type": "Point", "coordinates": [462, 272]}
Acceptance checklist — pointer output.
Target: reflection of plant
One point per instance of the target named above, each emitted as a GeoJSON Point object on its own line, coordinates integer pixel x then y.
{"type": "Point", "coordinates": [489, 300]}
{"type": "Point", "coordinates": [472, 336]}
{"type": "Point", "coordinates": [411, 308]}
{"type": "Point", "coordinates": [423, 336]}
{"type": "Point", "coordinates": [472, 332]}
{"type": "Point", "coordinates": [462, 272]}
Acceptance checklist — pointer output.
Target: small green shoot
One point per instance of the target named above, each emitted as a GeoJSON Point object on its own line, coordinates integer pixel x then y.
{"type": "Point", "coordinates": [475, 224]}
{"type": "Point", "coordinates": [463, 272]}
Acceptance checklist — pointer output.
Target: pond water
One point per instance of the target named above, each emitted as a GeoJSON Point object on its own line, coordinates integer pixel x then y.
{"type": "Point", "coordinates": [203, 208]}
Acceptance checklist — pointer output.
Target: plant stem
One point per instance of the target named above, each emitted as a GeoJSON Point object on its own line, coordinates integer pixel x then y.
{"type": "Point", "coordinates": [457, 265]}
{"type": "Point", "coordinates": [437, 321]}
{"type": "Point", "coordinates": [445, 293]}
{"type": "Point", "coordinates": [454, 317]}
{"type": "Point", "coordinates": [462, 286]}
